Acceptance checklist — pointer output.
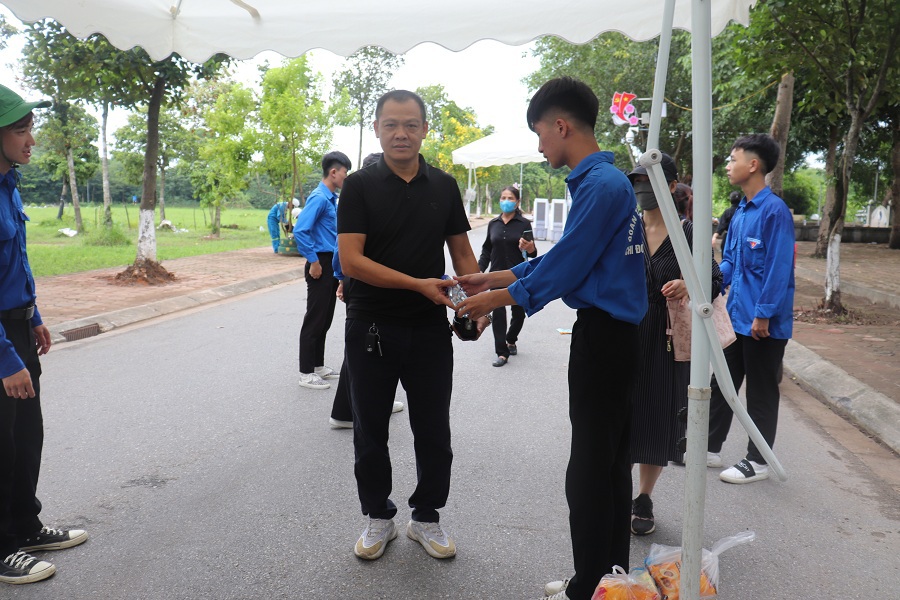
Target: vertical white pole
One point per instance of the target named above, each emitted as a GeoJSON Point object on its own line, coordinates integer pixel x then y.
{"type": "Point", "coordinates": [699, 390]}
{"type": "Point", "coordinates": [659, 81]}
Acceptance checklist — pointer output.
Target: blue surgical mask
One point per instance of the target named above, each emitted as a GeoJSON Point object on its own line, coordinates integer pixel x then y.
{"type": "Point", "coordinates": [507, 206]}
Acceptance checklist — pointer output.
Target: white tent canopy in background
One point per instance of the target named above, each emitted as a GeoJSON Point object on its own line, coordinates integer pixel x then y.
{"type": "Point", "coordinates": [506, 148]}
{"type": "Point", "coordinates": [197, 29]}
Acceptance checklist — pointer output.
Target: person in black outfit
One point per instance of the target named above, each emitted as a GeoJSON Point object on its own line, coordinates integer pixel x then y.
{"type": "Point", "coordinates": [725, 220]}
{"type": "Point", "coordinates": [504, 248]}
{"type": "Point", "coordinates": [393, 222]}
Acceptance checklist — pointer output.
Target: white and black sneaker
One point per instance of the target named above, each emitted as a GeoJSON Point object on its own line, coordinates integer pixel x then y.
{"type": "Point", "coordinates": [20, 567]}
{"type": "Point", "coordinates": [49, 538]}
{"type": "Point", "coordinates": [745, 471]}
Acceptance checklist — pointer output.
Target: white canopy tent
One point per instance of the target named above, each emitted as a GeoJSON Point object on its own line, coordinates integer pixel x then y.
{"type": "Point", "coordinates": [196, 29]}
{"type": "Point", "coordinates": [517, 146]}
{"type": "Point", "coordinates": [506, 148]}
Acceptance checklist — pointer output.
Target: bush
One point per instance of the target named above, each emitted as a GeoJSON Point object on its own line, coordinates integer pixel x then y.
{"type": "Point", "coordinates": [107, 236]}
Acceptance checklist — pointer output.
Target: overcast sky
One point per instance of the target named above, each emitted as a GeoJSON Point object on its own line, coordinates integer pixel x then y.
{"type": "Point", "coordinates": [486, 77]}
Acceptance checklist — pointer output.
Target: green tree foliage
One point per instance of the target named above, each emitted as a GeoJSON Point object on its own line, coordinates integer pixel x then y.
{"type": "Point", "coordinates": [225, 151]}
{"type": "Point", "coordinates": [295, 125]}
{"type": "Point", "coordinates": [364, 80]}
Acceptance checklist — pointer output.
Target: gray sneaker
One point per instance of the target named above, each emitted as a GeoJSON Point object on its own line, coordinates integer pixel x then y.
{"type": "Point", "coordinates": [555, 587]}
{"type": "Point", "coordinates": [327, 372]}
{"type": "Point", "coordinates": [375, 538]}
{"type": "Point", "coordinates": [714, 460]}
{"type": "Point", "coordinates": [313, 382]}
{"type": "Point", "coordinates": [432, 537]}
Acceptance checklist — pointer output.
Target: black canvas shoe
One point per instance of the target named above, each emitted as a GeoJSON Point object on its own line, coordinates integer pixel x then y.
{"type": "Point", "coordinates": [24, 568]}
{"type": "Point", "coordinates": [52, 539]}
{"type": "Point", "coordinates": [642, 515]}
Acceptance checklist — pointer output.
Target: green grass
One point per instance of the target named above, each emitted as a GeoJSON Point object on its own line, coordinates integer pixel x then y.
{"type": "Point", "coordinates": [52, 253]}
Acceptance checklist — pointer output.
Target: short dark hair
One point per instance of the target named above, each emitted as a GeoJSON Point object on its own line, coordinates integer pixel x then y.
{"type": "Point", "coordinates": [371, 159]}
{"type": "Point", "coordinates": [400, 96]}
{"type": "Point", "coordinates": [334, 158]}
{"type": "Point", "coordinates": [762, 145]}
{"type": "Point", "coordinates": [513, 189]}
{"type": "Point", "coordinates": [734, 198]}
{"type": "Point", "coordinates": [567, 95]}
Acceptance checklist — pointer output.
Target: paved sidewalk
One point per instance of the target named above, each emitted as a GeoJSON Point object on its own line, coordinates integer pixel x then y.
{"type": "Point", "coordinates": [855, 369]}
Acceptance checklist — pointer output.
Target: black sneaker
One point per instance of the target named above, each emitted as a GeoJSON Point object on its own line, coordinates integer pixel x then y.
{"type": "Point", "coordinates": [52, 539]}
{"type": "Point", "coordinates": [24, 568]}
{"type": "Point", "coordinates": [642, 515]}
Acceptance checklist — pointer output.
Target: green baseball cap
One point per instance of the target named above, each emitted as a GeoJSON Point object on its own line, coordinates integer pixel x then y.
{"type": "Point", "coordinates": [13, 107]}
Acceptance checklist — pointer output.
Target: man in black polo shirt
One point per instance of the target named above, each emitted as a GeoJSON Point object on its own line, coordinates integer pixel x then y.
{"type": "Point", "coordinates": [393, 220]}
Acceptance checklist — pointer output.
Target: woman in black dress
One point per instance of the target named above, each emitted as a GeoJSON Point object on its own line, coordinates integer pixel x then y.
{"type": "Point", "coordinates": [505, 247]}
{"type": "Point", "coordinates": [661, 388]}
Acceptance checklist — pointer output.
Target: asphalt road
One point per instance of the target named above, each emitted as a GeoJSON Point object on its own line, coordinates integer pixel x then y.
{"type": "Point", "coordinates": [202, 471]}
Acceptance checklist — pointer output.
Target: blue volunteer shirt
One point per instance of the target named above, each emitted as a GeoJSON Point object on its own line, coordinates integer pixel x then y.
{"type": "Point", "coordinates": [598, 261]}
{"type": "Point", "coordinates": [16, 280]}
{"type": "Point", "coordinates": [758, 264]}
{"type": "Point", "coordinates": [316, 227]}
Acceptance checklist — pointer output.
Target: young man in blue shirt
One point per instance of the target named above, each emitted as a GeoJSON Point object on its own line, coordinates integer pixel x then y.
{"type": "Point", "coordinates": [23, 338]}
{"type": "Point", "coordinates": [597, 268]}
{"type": "Point", "coordinates": [316, 236]}
{"type": "Point", "coordinates": [758, 264]}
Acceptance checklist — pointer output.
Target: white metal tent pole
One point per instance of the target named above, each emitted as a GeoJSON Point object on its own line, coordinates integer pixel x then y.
{"type": "Point", "coordinates": [699, 390]}
{"type": "Point", "coordinates": [662, 67]}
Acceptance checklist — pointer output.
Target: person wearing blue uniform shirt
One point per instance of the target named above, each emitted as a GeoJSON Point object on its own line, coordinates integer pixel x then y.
{"type": "Point", "coordinates": [316, 235]}
{"type": "Point", "coordinates": [758, 264]}
{"type": "Point", "coordinates": [275, 219]}
{"type": "Point", "coordinates": [23, 338]}
{"type": "Point", "coordinates": [597, 268]}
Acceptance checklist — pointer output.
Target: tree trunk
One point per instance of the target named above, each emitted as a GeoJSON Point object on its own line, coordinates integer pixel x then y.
{"type": "Point", "coordinates": [894, 241]}
{"type": "Point", "coordinates": [824, 216]}
{"type": "Point", "coordinates": [62, 199]}
{"type": "Point", "coordinates": [781, 124]}
{"type": "Point", "coordinates": [104, 160]}
{"type": "Point", "coordinates": [217, 220]}
{"type": "Point", "coordinates": [833, 275]}
{"type": "Point", "coordinates": [73, 184]}
{"type": "Point", "coordinates": [839, 213]}
{"type": "Point", "coordinates": [162, 193]}
{"type": "Point", "coordinates": [146, 250]}
{"type": "Point", "coordinates": [362, 126]}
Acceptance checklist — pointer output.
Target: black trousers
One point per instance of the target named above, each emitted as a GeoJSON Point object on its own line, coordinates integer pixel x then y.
{"type": "Point", "coordinates": [602, 367]}
{"type": "Point", "coordinates": [320, 303]}
{"type": "Point", "coordinates": [340, 407]}
{"type": "Point", "coordinates": [502, 337]}
{"type": "Point", "coordinates": [421, 359]}
{"type": "Point", "coordinates": [21, 441]}
{"type": "Point", "coordinates": [759, 361]}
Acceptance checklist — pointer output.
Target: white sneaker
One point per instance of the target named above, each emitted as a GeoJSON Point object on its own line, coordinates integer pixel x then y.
{"type": "Point", "coordinates": [559, 596]}
{"type": "Point", "coordinates": [555, 587]}
{"type": "Point", "coordinates": [327, 372]}
{"type": "Point", "coordinates": [714, 460]}
{"type": "Point", "coordinates": [398, 406]}
{"type": "Point", "coordinates": [313, 381]}
{"type": "Point", "coordinates": [335, 424]}
{"type": "Point", "coordinates": [432, 537]}
{"type": "Point", "coordinates": [745, 471]}
{"type": "Point", "coordinates": [375, 538]}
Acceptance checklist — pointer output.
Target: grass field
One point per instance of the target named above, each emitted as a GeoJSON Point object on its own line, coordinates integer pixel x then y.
{"type": "Point", "coordinates": [53, 253]}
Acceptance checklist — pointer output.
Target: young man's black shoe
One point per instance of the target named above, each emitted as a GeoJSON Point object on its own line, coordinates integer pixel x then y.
{"type": "Point", "coordinates": [52, 539]}
{"type": "Point", "coordinates": [20, 567]}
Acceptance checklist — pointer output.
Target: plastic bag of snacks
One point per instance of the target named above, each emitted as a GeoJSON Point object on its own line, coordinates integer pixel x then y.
{"type": "Point", "coordinates": [637, 585]}
{"type": "Point", "coordinates": [664, 565]}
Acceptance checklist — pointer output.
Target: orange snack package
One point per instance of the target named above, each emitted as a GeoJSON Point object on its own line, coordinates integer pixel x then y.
{"type": "Point", "coordinates": [664, 565]}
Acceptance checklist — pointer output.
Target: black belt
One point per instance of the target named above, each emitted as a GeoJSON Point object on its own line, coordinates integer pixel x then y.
{"type": "Point", "coordinates": [22, 314]}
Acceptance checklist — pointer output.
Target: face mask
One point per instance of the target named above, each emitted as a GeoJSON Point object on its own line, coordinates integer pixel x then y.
{"type": "Point", "coordinates": [645, 196]}
{"type": "Point", "coordinates": [507, 206]}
